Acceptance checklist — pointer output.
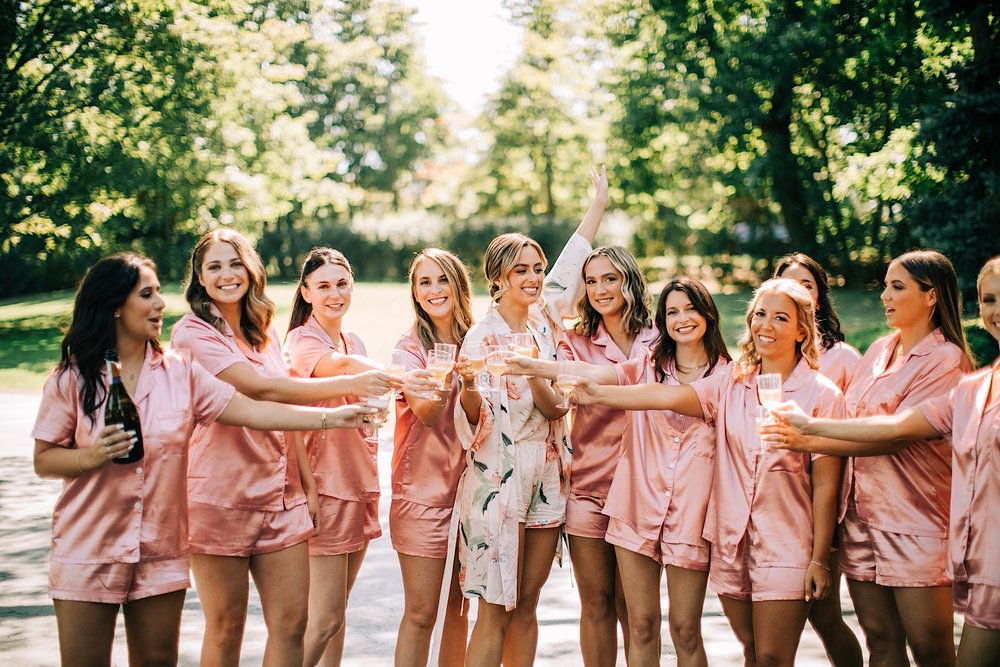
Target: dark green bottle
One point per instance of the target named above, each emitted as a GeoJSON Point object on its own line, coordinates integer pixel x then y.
{"type": "Point", "coordinates": [121, 410]}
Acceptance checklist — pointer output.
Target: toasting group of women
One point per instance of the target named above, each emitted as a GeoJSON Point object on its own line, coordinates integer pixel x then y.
{"type": "Point", "coordinates": [260, 461]}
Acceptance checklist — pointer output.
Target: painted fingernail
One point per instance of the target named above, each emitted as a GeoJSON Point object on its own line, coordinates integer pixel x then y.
{"type": "Point", "coordinates": [132, 441]}
{"type": "Point", "coordinates": [132, 434]}
{"type": "Point", "coordinates": [130, 448]}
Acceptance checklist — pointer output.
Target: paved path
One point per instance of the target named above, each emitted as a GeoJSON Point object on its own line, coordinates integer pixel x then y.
{"type": "Point", "coordinates": [27, 621]}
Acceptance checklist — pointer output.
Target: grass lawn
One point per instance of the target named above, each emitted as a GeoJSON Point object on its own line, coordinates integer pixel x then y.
{"type": "Point", "coordinates": [31, 328]}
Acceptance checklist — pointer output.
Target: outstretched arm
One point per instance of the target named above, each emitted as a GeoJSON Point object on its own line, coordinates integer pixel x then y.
{"type": "Point", "coordinates": [866, 436]}
{"type": "Point", "coordinates": [269, 416]}
{"type": "Point", "coordinates": [681, 399]}
{"type": "Point", "coordinates": [518, 364]}
{"type": "Point", "coordinates": [303, 391]}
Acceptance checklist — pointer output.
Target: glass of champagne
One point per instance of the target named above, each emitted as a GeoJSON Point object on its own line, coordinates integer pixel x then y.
{"type": "Point", "coordinates": [523, 344]}
{"type": "Point", "coordinates": [496, 362]}
{"type": "Point", "coordinates": [475, 353]}
{"type": "Point", "coordinates": [396, 364]}
{"type": "Point", "coordinates": [440, 363]}
{"type": "Point", "coordinates": [449, 349]}
{"type": "Point", "coordinates": [374, 421]}
{"type": "Point", "coordinates": [566, 380]}
{"type": "Point", "coordinates": [769, 389]}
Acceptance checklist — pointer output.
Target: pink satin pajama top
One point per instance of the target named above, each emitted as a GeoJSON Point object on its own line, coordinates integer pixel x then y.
{"type": "Point", "coordinates": [773, 486]}
{"type": "Point", "coordinates": [908, 492]}
{"type": "Point", "coordinates": [974, 535]}
{"type": "Point", "coordinates": [838, 363]}
{"type": "Point", "coordinates": [663, 480]}
{"type": "Point", "coordinates": [596, 432]}
{"type": "Point", "coordinates": [233, 466]}
{"type": "Point", "coordinates": [136, 512]}
{"type": "Point", "coordinates": [345, 466]}
{"type": "Point", "coordinates": [427, 461]}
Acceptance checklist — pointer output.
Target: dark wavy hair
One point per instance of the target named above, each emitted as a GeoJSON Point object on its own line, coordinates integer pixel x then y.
{"type": "Point", "coordinates": [665, 347]}
{"type": "Point", "coordinates": [257, 310]}
{"type": "Point", "coordinates": [317, 257]}
{"type": "Point", "coordinates": [91, 332]}
{"type": "Point", "coordinates": [826, 317]}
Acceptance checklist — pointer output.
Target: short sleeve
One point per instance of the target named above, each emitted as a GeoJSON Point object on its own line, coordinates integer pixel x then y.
{"type": "Point", "coordinates": [940, 412]}
{"type": "Point", "coordinates": [209, 395]}
{"type": "Point", "coordinates": [565, 352]}
{"type": "Point", "coordinates": [57, 414]}
{"type": "Point", "coordinates": [710, 391]}
{"type": "Point", "coordinates": [304, 351]}
{"type": "Point", "coordinates": [206, 344]}
{"type": "Point", "coordinates": [632, 371]}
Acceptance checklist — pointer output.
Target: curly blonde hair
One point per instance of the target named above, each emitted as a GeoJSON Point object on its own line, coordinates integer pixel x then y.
{"type": "Point", "coordinates": [805, 310]}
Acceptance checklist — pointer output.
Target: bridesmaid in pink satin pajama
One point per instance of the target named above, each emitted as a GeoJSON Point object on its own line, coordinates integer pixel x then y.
{"type": "Point", "coordinates": [770, 517]}
{"type": "Point", "coordinates": [614, 327]}
{"type": "Point", "coordinates": [120, 532]}
{"type": "Point", "coordinates": [970, 415]}
{"type": "Point", "coordinates": [837, 361]}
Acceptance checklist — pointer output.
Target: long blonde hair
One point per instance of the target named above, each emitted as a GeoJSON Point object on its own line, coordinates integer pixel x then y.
{"type": "Point", "coordinates": [805, 310]}
{"type": "Point", "coordinates": [635, 315]}
{"type": "Point", "coordinates": [501, 257]}
{"type": "Point", "coordinates": [257, 310]}
{"type": "Point", "coordinates": [461, 289]}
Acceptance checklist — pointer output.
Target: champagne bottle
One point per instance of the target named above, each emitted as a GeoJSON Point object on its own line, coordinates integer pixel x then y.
{"type": "Point", "coordinates": [120, 409]}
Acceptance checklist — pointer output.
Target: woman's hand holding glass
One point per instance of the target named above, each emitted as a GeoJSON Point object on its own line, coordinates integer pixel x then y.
{"type": "Point", "coordinates": [566, 380]}
{"type": "Point", "coordinates": [471, 364]}
{"type": "Point", "coordinates": [786, 429]}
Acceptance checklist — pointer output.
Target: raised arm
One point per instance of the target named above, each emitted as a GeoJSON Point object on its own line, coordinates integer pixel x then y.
{"type": "Point", "coordinates": [598, 205]}
{"type": "Point", "coordinates": [681, 399]}
{"type": "Point", "coordinates": [865, 436]}
{"type": "Point", "coordinates": [303, 391]}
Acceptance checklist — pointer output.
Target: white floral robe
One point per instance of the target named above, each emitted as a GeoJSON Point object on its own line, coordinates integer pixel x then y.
{"type": "Point", "coordinates": [488, 493]}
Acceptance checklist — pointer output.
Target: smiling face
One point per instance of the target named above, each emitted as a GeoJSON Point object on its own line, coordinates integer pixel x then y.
{"type": "Point", "coordinates": [683, 322]}
{"type": "Point", "coordinates": [524, 280]}
{"type": "Point", "coordinates": [432, 291]}
{"type": "Point", "coordinates": [989, 304]}
{"type": "Point", "coordinates": [328, 290]}
{"type": "Point", "coordinates": [774, 326]}
{"type": "Point", "coordinates": [804, 277]}
{"type": "Point", "coordinates": [604, 286]}
{"type": "Point", "coordinates": [223, 274]}
{"type": "Point", "coordinates": [906, 305]}
{"type": "Point", "coordinates": [140, 317]}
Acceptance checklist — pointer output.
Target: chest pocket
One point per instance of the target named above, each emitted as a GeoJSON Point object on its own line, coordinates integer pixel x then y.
{"type": "Point", "coordinates": [173, 431]}
{"type": "Point", "coordinates": [785, 461]}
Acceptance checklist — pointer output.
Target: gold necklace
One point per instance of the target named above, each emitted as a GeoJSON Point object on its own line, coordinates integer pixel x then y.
{"type": "Point", "coordinates": [689, 369]}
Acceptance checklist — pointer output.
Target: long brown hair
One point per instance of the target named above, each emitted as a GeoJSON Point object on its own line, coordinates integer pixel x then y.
{"type": "Point", "coordinates": [317, 257]}
{"type": "Point", "coordinates": [665, 347]}
{"type": "Point", "coordinates": [91, 332]}
{"type": "Point", "coordinates": [635, 316]}
{"type": "Point", "coordinates": [826, 317]}
{"type": "Point", "coordinates": [805, 309]}
{"type": "Point", "coordinates": [932, 270]}
{"type": "Point", "coordinates": [256, 310]}
{"type": "Point", "coordinates": [461, 288]}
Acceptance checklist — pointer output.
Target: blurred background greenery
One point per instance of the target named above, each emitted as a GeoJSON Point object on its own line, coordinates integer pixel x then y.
{"type": "Point", "coordinates": [733, 132]}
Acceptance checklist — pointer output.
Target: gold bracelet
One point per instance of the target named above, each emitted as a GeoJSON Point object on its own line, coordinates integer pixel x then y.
{"type": "Point", "coordinates": [78, 465]}
{"type": "Point", "coordinates": [322, 424]}
{"type": "Point", "coordinates": [818, 564]}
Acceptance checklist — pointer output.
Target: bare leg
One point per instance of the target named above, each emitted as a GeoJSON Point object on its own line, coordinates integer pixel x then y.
{"type": "Point", "coordinates": [979, 647]}
{"type": "Point", "coordinates": [594, 570]}
{"type": "Point", "coordinates": [641, 585]}
{"type": "Point", "coordinates": [778, 626]}
{"type": "Point", "coordinates": [334, 651]}
{"type": "Point", "coordinates": [686, 597]}
{"type": "Point", "coordinates": [282, 580]}
{"type": "Point", "coordinates": [153, 629]}
{"type": "Point", "coordinates": [740, 616]}
{"type": "Point", "coordinates": [86, 632]}
{"type": "Point", "coordinates": [928, 619]}
{"type": "Point", "coordinates": [879, 619]}
{"type": "Point", "coordinates": [827, 619]}
{"type": "Point", "coordinates": [536, 564]}
{"type": "Point", "coordinates": [487, 640]}
{"type": "Point", "coordinates": [223, 585]}
{"type": "Point", "coordinates": [421, 590]}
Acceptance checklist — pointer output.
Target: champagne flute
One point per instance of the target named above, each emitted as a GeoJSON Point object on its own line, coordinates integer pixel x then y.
{"type": "Point", "coordinates": [374, 421]}
{"type": "Point", "coordinates": [566, 380]}
{"type": "Point", "coordinates": [396, 364]}
{"type": "Point", "coordinates": [448, 349]}
{"type": "Point", "coordinates": [475, 353]}
{"type": "Point", "coordinates": [523, 344]}
{"type": "Point", "coordinates": [440, 363]}
{"type": "Point", "coordinates": [769, 389]}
